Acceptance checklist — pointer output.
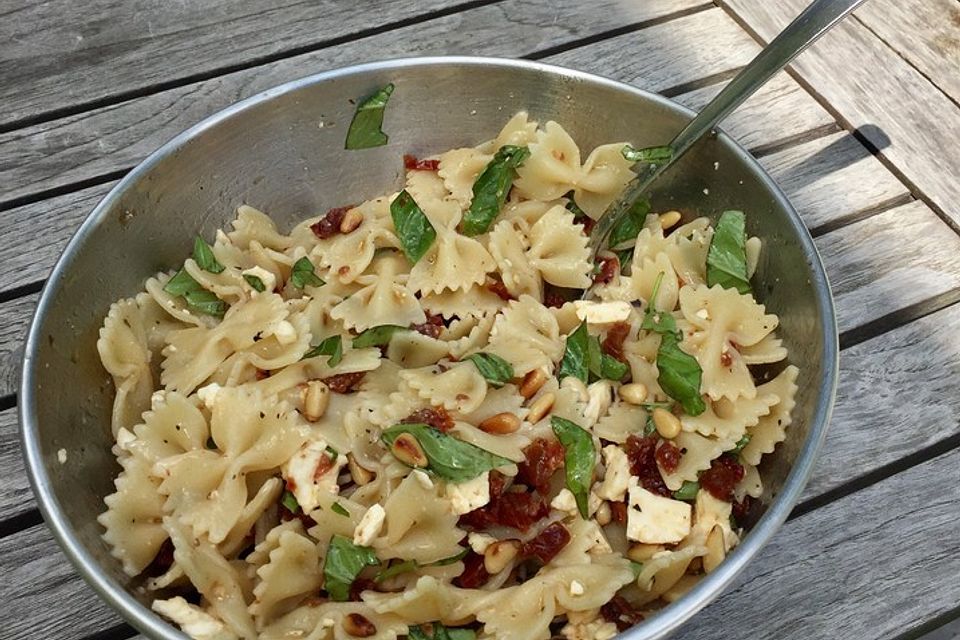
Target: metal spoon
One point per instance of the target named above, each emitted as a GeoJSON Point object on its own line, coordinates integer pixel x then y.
{"type": "Point", "coordinates": [816, 19]}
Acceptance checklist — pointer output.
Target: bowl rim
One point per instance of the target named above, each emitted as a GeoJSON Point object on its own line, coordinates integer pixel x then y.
{"type": "Point", "coordinates": [667, 619]}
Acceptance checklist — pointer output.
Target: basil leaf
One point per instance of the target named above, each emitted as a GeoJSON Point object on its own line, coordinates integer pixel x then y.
{"type": "Point", "coordinates": [612, 369]}
{"type": "Point", "coordinates": [206, 302]}
{"type": "Point", "coordinates": [254, 282]}
{"type": "Point", "coordinates": [303, 274]}
{"type": "Point", "coordinates": [629, 225]}
{"type": "Point", "coordinates": [636, 567]}
{"type": "Point", "coordinates": [492, 367]}
{"type": "Point", "coordinates": [626, 259]}
{"type": "Point", "coordinates": [573, 208]}
{"type": "Point", "coordinates": [440, 632]}
{"type": "Point", "coordinates": [578, 459]}
{"type": "Point", "coordinates": [451, 560]}
{"type": "Point", "coordinates": [343, 564]}
{"type": "Point", "coordinates": [448, 457]}
{"type": "Point", "coordinates": [396, 569]}
{"type": "Point", "coordinates": [576, 355]}
{"type": "Point", "coordinates": [687, 491]}
{"type": "Point", "coordinates": [661, 322]}
{"type": "Point", "coordinates": [181, 283]}
{"type": "Point", "coordinates": [653, 155]}
{"type": "Point", "coordinates": [377, 336]}
{"type": "Point", "coordinates": [741, 443]}
{"type": "Point", "coordinates": [332, 346]}
{"type": "Point", "coordinates": [365, 129]}
{"type": "Point", "coordinates": [649, 428]}
{"type": "Point", "coordinates": [338, 509]}
{"type": "Point", "coordinates": [289, 501]}
{"type": "Point", "coordinates": [414, 230]}
{"type": "Point", "coordinates": [727, 256]}
{"type": "Point", "coordinates": [491, 189]}
{"type": "Point", "coordinates": [203, 256]}
{"type": "Point", "coordinates": [680, 375]}
{"type": "Point", "coordinates": [594, 357]}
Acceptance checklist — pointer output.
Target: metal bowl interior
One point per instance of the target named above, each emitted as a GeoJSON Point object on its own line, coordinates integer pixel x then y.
{"type": "Point", "coordinates": [282, 152]}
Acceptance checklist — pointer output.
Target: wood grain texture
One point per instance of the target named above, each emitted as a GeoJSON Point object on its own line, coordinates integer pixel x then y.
{"type": "Point", "coordinates": [868, 83]}
{"type": "Point", "coordinates": [42, 595]}
{"type": "Point", "coordinates": [79, 147]}
{"type": "Point", "coordinates": [874, 564]}
{"type": "Point", "coordinates": [15, 495]}
{"type": "Point", "coordinates": [925, 32]}
{"type": "Point", "coordinates": [54, 52]}
{"type": "Point", "coordinates": [14, 319]}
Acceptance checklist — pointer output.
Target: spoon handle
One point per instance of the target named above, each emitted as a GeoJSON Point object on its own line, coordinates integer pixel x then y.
{"type": "Point", "coordinates": [815, 20]}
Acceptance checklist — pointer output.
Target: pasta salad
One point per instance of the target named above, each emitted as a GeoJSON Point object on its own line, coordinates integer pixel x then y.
{"type": "Point", "coordinates": [400, 420]}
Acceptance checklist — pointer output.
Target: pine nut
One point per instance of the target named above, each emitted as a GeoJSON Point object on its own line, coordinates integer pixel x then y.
{"type": "Point", "coordinates": [315, 400]}
{"type": "Point", "coordinates": [532, 382]}
{"type": "Point", "coordinates": [641, 552]}
{"type": "Point", "coordinates": [715, 549]}
{"type": "Point", "coordinates": [634, 393]}
{"type": "Point", "coordinates": [351, 220]}
{"type": "Point", "coordinates": [501, 423]}
{"type": "Point", "coordinates": [407, 450]}
{"type": "Point", "coordinates": [499, 554]}
{"type": "Point", "coordinates": [667, 424]}
{"type": "Point", "coordinates": [541, 407]}
{"type": "Point", "coordinates": [358, 626]}
{"type": "Point", "coordinates": [360, 475]}
{"type": "Point", "coordinates": [669, 219]}
{"type": "Point", "coordinates": [603, 514]}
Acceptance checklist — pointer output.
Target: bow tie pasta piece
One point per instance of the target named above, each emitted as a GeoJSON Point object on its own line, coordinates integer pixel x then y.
{"type": "Point", "coordinates": [384, 298]}
{"type": "Point", "coordinates": [729, 421]}
{"type": "Point", "coordinates": [664, 570]}
{"type": "Point", "coordinates": [452, 262]}
{"type": "Point", "coordinates": [292, 572]}
{"type": "Point", "coordinates": [519, 131]}
{"type": "Point", "coordinates": [316, 621]}
{"type": "Point", "coordinates": [468, 335]}
{"type": "Point", "coordinates": [558, 250]}
{"type": "Point", "coordinates": [428, 600]}
{"type": "Point", "coordinates": [767, 351]}
{"type": "Point", "coordinates": [252, 225]}
{"type": "Point", "coordinates": [509, 446]}
{"type": "Point", "coordinates": [460, 388]}
{"type": "Point", "coordinates": [192, 620]}
{"type": "Point", "coordinates": [508, 246]}
{"type": "Point", "coordinates": [770, 430]}
{"type": "Point", "coordinates": [620, 422]}
{"type": "Point", "coordinates": [411, 349]}
{"type": "Point", "coordinates": [645, 275]}
{"type": "Point", "coordinates": [688, 255]}
{"type": "Point", "coordinates": [125, 354]}
{"type": "Point", "coordinates": [475, 302]}
{"type": "Point", "coordinates": [605, 173]}
{"type": "Point", "coordinates": [527, 336]}
{"type": "Point", "coordinates": [459, 169]}
{"type": "Point", "coordinates": [553, 167]}
{"type": "Point", "coordinates": [698, 452]}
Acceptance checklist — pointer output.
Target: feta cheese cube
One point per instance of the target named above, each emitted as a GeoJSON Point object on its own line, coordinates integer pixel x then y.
{"type": "Point", "coordinates": [565, 501]}
{"type": "Point", "coordinates": [193, 621]}
{"type": "Point", "coordinates": [208, 394]}
{"type": "Point", "coordinates": [602, 312]}
{"type": "Point", "coordinates": [369, 526]}
{"type": "Point", "coordinates": [285, 333]}
{"type": "Point", "coordinates": [599, 397]}
{"type": "Point", "coordinates": [617, 479]}
{"type": "Point", "coordinates": [653, 519]}
{"type": "Point", "coordinates": [576, 588]}
{"type": "Point", "coordinates": [469, 496]}
{"type": "Point", "coordinates": [301, 472]}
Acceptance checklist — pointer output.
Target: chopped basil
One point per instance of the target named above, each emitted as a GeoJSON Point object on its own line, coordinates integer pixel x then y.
{"type": "Point", "coordinates": [661, 322]}
{"type": "Point", "coordinates": [440, 632]}
{"type": "Point", "coordinates": [365, 129]}
{"type": "Point", "coordinates": [576, 355]}
{"type": "Point", "coordinates": [205, 302]}
{"type": "Point", "coordinates": [578, 459]}
{"type": "Point", "coordinates": [377, 336]}
{"type": "Point", "coordinates": [491, 189]}
{"type": "Point", "coordinates": [181, 283]}
{"type": "Point", "coordinates": [447, 457]}
{"type": "Point", "coordinates": [414, 230]}
{"type": "Point", "coordinates": [636, 567]}
{"type": "Point", "coordinates": [612, 369]}
{"type": "Point", "coordinates": [451, 560]}
{"type": "Point", "coordinates": [343, 564]}
{"type": "Point", "coordinates": [203, 256]}
{"type": "Point", "coordinates": [303, 274]}
{"type": "Point", "coordinates": [254, 282]}
{"type": "Point", "coordinates": [626, 259]}
{"type": "Point", "coordinates": [727, 256]}
{"type": "Point", "coordinates": [333, 453]}
{"type": "Point", "coordinates": [653, 155]}
{"type": "Point", "coordinates": [338, 509]}
{"type": "Point", "coordinates": [396, 569]}
{"type": "Point", "coordinates": [289, 502]}
{"type": "Point", "coordinates": [649, 428]}
{"type": "Point", "coordinates": [494, 368]}
{"type": "Point", "coordinates": [687, 491]}
{"type": "Point", "coordinates": [594, 357]}
{"type": "Point", "coordinates": [629, 225]}
{"type": "Point", "coordinates": [573, 208]}
{"type": "Point", "coordinates": [332, 346]}
{"type": "Point", "coordinates": [741, 443]}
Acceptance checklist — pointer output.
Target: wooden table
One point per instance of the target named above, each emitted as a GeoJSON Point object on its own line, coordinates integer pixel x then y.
{"type": "Point", "coordinates": [863, 134]}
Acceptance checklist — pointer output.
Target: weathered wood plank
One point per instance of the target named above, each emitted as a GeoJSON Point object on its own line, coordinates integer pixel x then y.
{"type": "Point", "coordinates": [891, 548]}
{"type": "Point", "coordinates": [925, 32]}
{"type": "Point", "coordinates": [102, 141]}
{"type": "Point", "coordinates": [888, 262]}
{"type": "Point", "coordinates": [15, 495]}
{"type": "Point", "coordinates": [55, 53]}
{"type": "Point", "coordinates": [819, 175]}
{"type": "Point", "coordinates": [879, 88]}
{"type": "Point", "coordinates": [42, 595]}
{"type": "Point", "coordinates": [14, 319]}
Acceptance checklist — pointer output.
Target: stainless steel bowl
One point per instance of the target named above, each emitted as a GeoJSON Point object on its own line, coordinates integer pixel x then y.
{"type": "Point", "coordinates": [282, 151]}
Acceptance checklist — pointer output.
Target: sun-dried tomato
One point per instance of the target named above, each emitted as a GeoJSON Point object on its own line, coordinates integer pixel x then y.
{"type": "Point", "coordinates": [618, 512]}
{"type": "Point", "coordinates": [359, 586]}
{"type": "Point", "coordinates": [411, 163]}
{"type": "Point", "coordinates": [436, 417]}
{"type": "Point", "coordinates": [161, 562]}
{"type": "Point", "coordinates": [329, 225]}
{"type": "Point", "coordinates": [553, 298]}
{"type": "Point", "coordinates": [726, 360]}
{"type": "Point", "coordinates": [517, 508]}
{"type": "Point", "coordinates": [612, 345]}
{"type": "Point", "coordinates": [668, 456]}
{"type": "Point", "coordinates": [324, 465]}
{"type": "Point", "coordinates": [621, 613]}
{"type": "Point", "coordinates": [542, 458]}
{"type": "Point", "coordinates": [547, 544]}
{"type": "Point", "coordinates": [641, 451]}
{"type": "Point", "coordinates": [474, 573]}
{"type": "Point", "coordinates": [742, 509]}
{"type": "Point", "coordinates": [586, 221]}
{"type": "Point", "coordinates": [721, 478]}
{"type": "Point", "coordinates": [262, 374]}
{"type": "Point", "coordinates": [431, 328]}
{"type": "Point", "coordinates": [344, 382]}
{"type": "Point", "coordinates": [496, 286]}
{"type": "Point", "coordinates": [608, 267]}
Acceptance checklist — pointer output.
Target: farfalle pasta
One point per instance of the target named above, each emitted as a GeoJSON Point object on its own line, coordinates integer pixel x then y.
{"type": "Point", "coordinates": [401, 419]}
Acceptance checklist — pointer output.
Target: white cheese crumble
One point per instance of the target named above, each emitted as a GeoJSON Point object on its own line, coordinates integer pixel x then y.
{"type": "Point", "coordinates": [480, 541]}
{"type": "Point", "coordinates": [266, 277]}
{"type": "Point", "coordinates": [596, 629]}
{"type": "Point", "coordinates": [208, 394]}
{"type": "Point", "coordinates": [576, 588]}
{"type": "Point", "coordinates": [285, 333]}
{"type": "Point", "coordinates": [423, 479]}
{"type": "Point", "coordinates": [468, 496]}
{"type": "Point", "coordinates": [617, 479]}
{"type": "Point", "coordinates": [370, 526]}
{"type": "Point", "coordinates": [565, 501]}
{"type": "Point", "coordinates": [301, 468]}
{"type": "Point", "coordinates": [602, 312]}
{"type": "Point", "coordinates": [599, 397]}
{"type": "Point", "coordinates": [193, 621]}
{"type": "Point", "coordinates": [654, 519]}
{"type": "Point", "coordinates": [62, 456]}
